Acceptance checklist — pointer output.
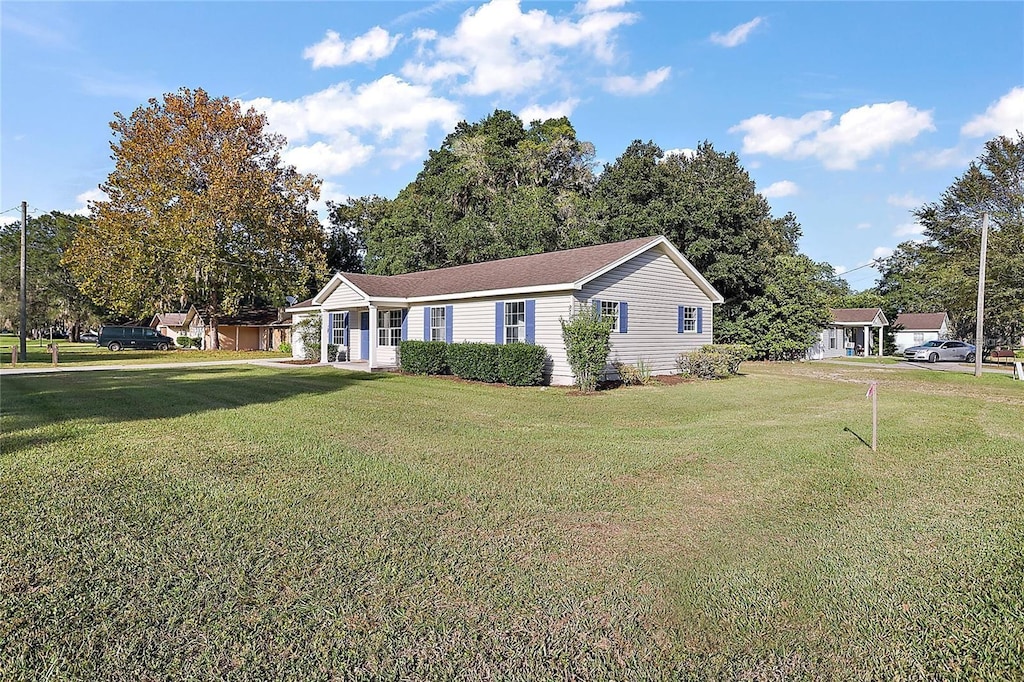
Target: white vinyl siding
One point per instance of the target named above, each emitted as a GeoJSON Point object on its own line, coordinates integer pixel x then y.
{"type": "Point", "coordinates": [343, 298]}
{"type": "Point", "coordinates": [654, 287]}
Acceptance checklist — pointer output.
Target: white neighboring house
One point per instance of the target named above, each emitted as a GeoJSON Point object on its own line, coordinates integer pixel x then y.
{"type": "Point", "coordinates": [914, 329]}
{"type": "Point", "coordinates": [661, 304]}
{"type": "Point", "coordinates": [850, 333]}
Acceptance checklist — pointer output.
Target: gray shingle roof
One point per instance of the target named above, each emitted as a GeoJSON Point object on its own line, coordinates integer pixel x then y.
{"type": "Point", "coordinates": [556, 267]}
{"type": "Point", "coordinates": [920, 321]}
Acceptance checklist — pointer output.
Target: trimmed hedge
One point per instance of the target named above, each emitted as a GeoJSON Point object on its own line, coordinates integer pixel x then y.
{"type": "Point", "coordinates": [516, 364]}
{"type": "Point", "coordinates": [713, 361]}
{"type": "Point", "coordinates": [183, 341]}
{"type": "Point", "coordinates": [522, 364]}
{"type": "Point", "coordinates": [475, 361]}
{"type": "Point", "coordinates": [423, 357]}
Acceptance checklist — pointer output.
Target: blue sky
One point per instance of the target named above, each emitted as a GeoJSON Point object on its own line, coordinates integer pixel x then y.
{"type": "Point", "coordinates": [848, 114]}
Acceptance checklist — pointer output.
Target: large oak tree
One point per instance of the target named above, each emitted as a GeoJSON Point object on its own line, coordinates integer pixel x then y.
{"type": "Point", "coordinates": [200, 209]}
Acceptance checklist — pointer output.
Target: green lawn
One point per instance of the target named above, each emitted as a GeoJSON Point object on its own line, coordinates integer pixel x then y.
{"type": "Point", "coordinates": [248, 523]}
{"type": "Point", "coordinates": [89, 354]}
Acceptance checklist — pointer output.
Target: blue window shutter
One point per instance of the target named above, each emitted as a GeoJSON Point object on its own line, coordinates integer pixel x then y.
{"type": "Point", "coordinates": [531, 319]}
{"type": "Point", "coordinates": [405, 325]}
{"type": "Point", "coordinates": [426, 323]}
{"type": "Point", "coordinates": [345, 334]}
{"type": "Point", "coordinates": [330, 327]}
{"type": "Point", "coordinates": [681, 315]}
{"type": "Point", "coordinates": [623, 317]}
{"type": "Point", "coordinates": [700, 320]}
{"type": "Point", "coordinates": [499, 322]}
{"type": "Point", "coordinates": [364, 336]}
{"type": "Point", "coordinates": [597, 306]}
{"type": "Point", "coordinates": [448, 323]}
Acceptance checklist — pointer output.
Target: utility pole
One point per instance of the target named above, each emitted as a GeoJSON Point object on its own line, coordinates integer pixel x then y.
{"type": "Point", "coordinates": [979, 329]}
{"type": "Point", "coordinates": [22, 299]}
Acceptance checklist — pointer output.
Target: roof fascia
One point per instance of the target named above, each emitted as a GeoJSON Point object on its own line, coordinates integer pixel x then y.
{"type": "Point", "coordinates": [673, 253]}
{"type": "Point", "coordinates": [333, 284]}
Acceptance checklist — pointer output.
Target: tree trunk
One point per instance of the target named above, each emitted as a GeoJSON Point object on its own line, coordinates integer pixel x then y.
{"type": "Point", "coordinates": [215, 331]}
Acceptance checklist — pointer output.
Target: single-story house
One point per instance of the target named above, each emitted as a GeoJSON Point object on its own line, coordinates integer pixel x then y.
{"type": "Point", "coordinates": [186, 323]}
{"type": "Point", "coordinates": [660, 303]}
{"type": "Point", "coordinates": [251, 328]}
{"type": "Point", "coordinates": [850, 333]}
{"type": "Point", "coordinates": [913, 329]}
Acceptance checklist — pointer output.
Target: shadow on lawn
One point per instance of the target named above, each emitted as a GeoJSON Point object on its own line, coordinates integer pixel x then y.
{"type": "Point", "coordinates": [849, 430]}
{"type": "Point", "coordinates": [36, 408]}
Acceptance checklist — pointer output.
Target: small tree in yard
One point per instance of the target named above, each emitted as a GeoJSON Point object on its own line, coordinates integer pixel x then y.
{"type": "Point", "coordinates": [587, 337]}
{"type": "Point", "coordinates": [309, 331]}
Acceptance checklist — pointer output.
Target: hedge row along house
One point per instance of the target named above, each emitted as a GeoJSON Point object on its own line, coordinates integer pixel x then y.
{"type": "Point", "coordinates": [661, 305]}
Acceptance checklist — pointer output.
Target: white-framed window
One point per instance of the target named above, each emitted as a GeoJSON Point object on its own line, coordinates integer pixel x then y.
{"type": "Point", "coordinates": [689, 319]}
{"type": "Point", "coordinates": [389, 327]}
{"type": "Point", "coordinates": [918, 338]}
{"type": "Point", "coordinates": [515, 321]}
{"type": "Point", "coordinates": [832, 339]}
{"type": "Point", "coordinates": [338, 329]}
{"type": "Point", "coordinates": [611, 309]}
{"type": "Point", "coordinates": [437, 324]}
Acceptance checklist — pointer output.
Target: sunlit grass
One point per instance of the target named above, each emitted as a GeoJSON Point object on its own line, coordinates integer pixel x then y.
{"type": "Point", "coordinates": [255, 524]}
{"type": "Point", "coordinates": [78, 354]}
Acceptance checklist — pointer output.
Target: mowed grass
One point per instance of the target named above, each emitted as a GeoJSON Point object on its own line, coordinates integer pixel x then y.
{"type": "Point", "coordinates": [79, 354]}
{"type": "Point", "coordinates": [249, 523]}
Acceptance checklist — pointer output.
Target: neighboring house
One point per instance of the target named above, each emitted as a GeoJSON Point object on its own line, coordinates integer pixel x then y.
{"type": "Point", "coordinates": [252, 328]}
{"type": "Point", "coordinates": [850, 333]}
{"type": "Point", "coordinates": [661, 305]}
{"type": "Point", "coordinates": [187, 323]}
{"type": "Point", "coordinates": [913, 329]}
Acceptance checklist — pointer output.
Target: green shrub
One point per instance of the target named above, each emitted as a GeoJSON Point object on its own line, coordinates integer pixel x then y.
{"type": "Point", "coordinates": [183, 341]}
{"type": "Point", "coordinates": [423, 357]}
{"type": "Point", "coordinates": [633, 375]}
{"type": "Point", "coordinates": [285, 348]}
{"type": "Point", "coordinates": [197, 342]}
{"type": "Point", "coordinates": [522, 364]}
{"type": "Point", "coordinates": [332, 352]}
{"type": "Point", "coordinates": [309, 332]}
{"type": "Point", "coordinates": [475, 361]}
{"type": "Point", "coordinates": [713, 361]}
{"type": "Point", "coordinates": [587, 338]}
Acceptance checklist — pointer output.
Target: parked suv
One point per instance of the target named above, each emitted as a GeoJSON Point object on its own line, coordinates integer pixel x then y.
{"type": "Point", "coordinates": [142, 338]}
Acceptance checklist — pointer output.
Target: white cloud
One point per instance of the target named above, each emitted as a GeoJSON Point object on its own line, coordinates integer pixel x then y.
{"type": "Point", "coordinates": [369, 47]}
{"type": "Point", "coordinates": [860, 133]}
{"type": "Point", "coordinates": [840, 269]}
{"type": "Point", "coordinates": [685, 152]}
{"type": "Point", "coordinates": [951, 157]}
{"type": "Point", "coordinates": [342, 154]}
{"type": "Point", "coordinates": [9, 220]}
{"type": "Point", "coordinates": [738, 35]}
{"type": "Point", "coordinates": [83, 199]}
{"type": "Point", "coordinates": [1003, 117]}
{"type": "Point", "coordinates": [863, 226]}
{"type": "Point", "coordinates": [499, 48]}
{"type": "Point", "coordinates": [628, 85]}
{"type": "Point", "coordinates": [907, 200]}
{"type": "Point", "coordinates": [332, 131]}
{"type": "Point", "coordinates": [908, 229]}
{"type": "Point", "coordinates": [591, 6]}
{"type": "Point", "coordinates": [880, 253]}
{"type": "Point", "coordinates": [782, 188]}
{"type": "Point", "coordinates": [536, 112]}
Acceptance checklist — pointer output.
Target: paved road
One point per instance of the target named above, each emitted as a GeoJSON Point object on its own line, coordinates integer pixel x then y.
{"type": "Point", "coordinates": [961, 367]}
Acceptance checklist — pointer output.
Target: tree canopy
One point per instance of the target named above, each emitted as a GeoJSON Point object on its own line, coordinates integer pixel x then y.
{"type": "Point", "coordinates": [52, 295]}
{"type": "Point", "coordinates": [941, 273]}
{"type": "Point", "coordinates": [199, 208]}
{"type": "Point", "coordinates": [494, 189]}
